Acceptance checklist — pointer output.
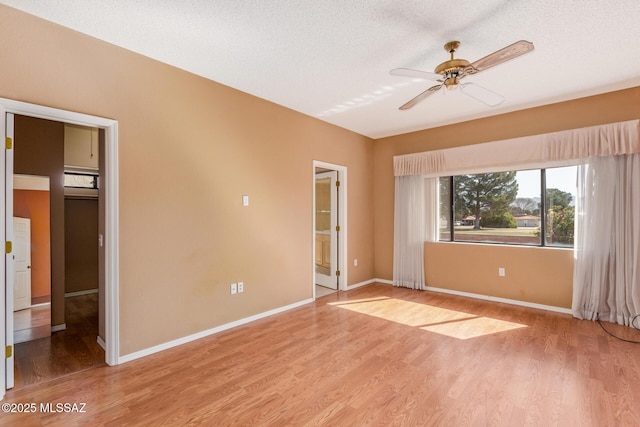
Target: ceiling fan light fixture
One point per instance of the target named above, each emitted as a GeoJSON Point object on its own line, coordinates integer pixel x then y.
{"type": "Point", "coordinates": [451, 82]}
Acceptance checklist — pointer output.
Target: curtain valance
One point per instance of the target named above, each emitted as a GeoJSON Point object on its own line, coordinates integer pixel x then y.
{"type": "Point", "coordinates": [534, 151]}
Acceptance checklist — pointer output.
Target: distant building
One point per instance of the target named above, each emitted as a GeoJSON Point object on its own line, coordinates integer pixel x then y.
{"type": "Point", "coordinates": [470, 220]}
{"type": "Point", "coordinates": [527, 221]}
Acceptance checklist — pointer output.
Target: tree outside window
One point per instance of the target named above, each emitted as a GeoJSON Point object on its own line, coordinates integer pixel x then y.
{"type": "Point", "coordinates": [493, 208]}
{"type": "Point", "coordinates": [487, 197]}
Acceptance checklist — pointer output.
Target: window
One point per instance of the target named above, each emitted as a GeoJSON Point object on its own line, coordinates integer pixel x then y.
{"type": "Point", "coordinates": [507, 207]}
{"type": "Point", "coordinates": [80, 180]}
{"type": "Point", "coordinates": [560, 206]}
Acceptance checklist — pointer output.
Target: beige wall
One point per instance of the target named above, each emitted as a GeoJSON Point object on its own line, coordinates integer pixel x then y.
{"type": "Point", "coordinates": [189, 149]}
{"type": "Point", "coordinates": [532, 274]}
{"type": "Point", "coordinates": [445, 270]}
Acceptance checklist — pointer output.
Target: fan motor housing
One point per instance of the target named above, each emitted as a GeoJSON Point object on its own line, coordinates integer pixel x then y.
{"type": "Point", "coordinates": [452, 65]}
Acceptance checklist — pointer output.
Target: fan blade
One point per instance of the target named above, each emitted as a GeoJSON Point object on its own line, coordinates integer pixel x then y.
{"type": "Point", "coordinates": [505, 54]}
{"type": "Point", "coordinates": [406, 72]}
{"type": "Point", "coordinates": [420, 97]}
{"type": "Point", "coordinates": [481, 94]}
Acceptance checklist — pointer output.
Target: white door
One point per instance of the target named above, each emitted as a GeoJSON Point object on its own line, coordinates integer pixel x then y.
{"type": "Point", "coordinates": [21, 263]}
{"type": "Point", "coordinates": [326, 231]}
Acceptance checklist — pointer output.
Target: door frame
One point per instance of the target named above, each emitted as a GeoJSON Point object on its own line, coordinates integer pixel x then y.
{"type": "Point", "coordinates": [111, 243]}
{"type": "Point", "coordinates": [342, 221]}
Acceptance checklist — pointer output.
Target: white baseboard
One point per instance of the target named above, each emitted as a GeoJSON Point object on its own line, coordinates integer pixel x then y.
{"type": "Point", "coordinates": [490, 298]}
{"type": "Point", "coordinates": [503, 300]}
{"type": "Point", "coordinates": [357, 285]}
{"type": "Point", "coordinates": [40, 305]}
{"type": "Point", "coordinates": [78, 293]}
{"type": "Point", "coordinates": [101, 343]}
{"type": "Point", "coordinates": [57, 328]}
{"type": "Point", "coordinates": [148, 351]}
{"type": "Point", "coordinates": [368, 282]}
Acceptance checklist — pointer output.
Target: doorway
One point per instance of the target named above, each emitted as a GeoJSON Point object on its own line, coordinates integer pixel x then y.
{"type": "Point", "coordinates": [329, 228]}
{"type": "Point", "coordinates": [109, 246]}
{"type": "Point", "coordinates": [47, 148]}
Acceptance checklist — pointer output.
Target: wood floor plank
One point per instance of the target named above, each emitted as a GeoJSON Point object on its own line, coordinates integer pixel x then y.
{"type": "Point", "coordinates": [376, 355]}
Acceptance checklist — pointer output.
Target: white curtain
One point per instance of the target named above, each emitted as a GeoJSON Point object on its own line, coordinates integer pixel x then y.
{"type": "Point", "coordinates": [606, 282]}
{"type": "Point", "coordinates": [409, 232]}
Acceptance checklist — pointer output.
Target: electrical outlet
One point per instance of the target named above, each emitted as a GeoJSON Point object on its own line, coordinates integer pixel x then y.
{"type": "Point", "coordinates": [240, 287]}
{"type": "Point", "coordinates": [501, 272]}
{"type": "Point", "coordinates": [355, 262]}
{"type": "Point", "coordinates": [234, 288]}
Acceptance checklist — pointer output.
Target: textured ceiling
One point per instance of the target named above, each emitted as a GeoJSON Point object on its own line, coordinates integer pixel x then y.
{"type": "Point", "coordinates": [330, 59]}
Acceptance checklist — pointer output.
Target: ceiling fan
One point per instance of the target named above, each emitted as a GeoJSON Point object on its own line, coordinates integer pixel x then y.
{"type": "Point", "coordinates": [450, 72]}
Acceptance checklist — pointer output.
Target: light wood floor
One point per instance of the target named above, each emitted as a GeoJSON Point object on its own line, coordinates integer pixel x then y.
{"type": "Point", "coordinates": [376, 355]}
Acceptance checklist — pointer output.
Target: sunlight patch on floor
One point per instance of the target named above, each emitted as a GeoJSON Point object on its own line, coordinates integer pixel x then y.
{"type": "Point", "coordinates": [452, 323]}
{"type": "Point", "coordinates": [472, 328]}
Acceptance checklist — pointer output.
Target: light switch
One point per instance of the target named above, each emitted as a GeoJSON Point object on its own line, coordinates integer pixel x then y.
{"type": "Point", "coordinates": [245, 200]}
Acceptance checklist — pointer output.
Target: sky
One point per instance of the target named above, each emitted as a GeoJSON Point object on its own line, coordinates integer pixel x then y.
{"type": "Point", "coordinates": [563, 179]}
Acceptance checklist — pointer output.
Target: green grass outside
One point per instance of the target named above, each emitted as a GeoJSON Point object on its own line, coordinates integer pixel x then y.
{"type": "Point", "coordinates": [530, 231]}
